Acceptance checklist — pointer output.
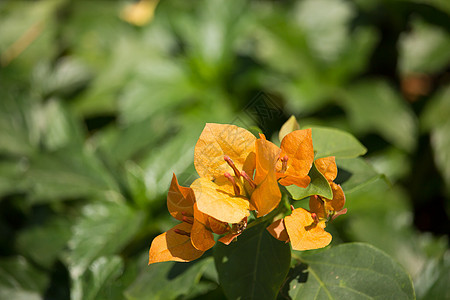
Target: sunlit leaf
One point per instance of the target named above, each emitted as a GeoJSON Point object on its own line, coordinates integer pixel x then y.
{"type": "Point", "coordinates": [334, 142]}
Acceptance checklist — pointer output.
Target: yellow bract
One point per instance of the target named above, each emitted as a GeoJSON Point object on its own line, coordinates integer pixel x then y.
{"type": "Point", "coordinates": [218, 140]}
{"type": "Point", "coordinates": [239, 173]}
{"type": "Point", "coordinates": [304, 232]}
{"type": "Point", "coordinates": [218, 200]}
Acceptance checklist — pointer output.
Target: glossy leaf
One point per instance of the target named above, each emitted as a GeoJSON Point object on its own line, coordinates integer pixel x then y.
{"type": "Point", "coordinates": [253, 267]}
{"type": "Point", "coordinates": [337, 143]}
{"type": "Point", "coordinates": [352, 271]}
{"type": "Point", "coordinates": [319, 186]}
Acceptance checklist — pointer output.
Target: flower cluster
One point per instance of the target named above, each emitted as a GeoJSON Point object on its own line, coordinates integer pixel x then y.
{"type": "Point", "coordinates": [240, 174]}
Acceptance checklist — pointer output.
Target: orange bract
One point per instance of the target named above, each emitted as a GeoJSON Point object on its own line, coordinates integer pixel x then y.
{"type": "Point", "coordinates": [297, 147]}
{"type": "Point", "coordinates": [201, 237]}
{"type": "Point", "coordinates": [278, 230]}
{"type": "Point", "coordinates": [327, 166]}
{"type": "Point", "coordinates": [322, 206]}
{"type": "Point", "coordinates": [304, 232]}
{"type": "Point", "coordinates": [266, 195]}
{"type": "Point", "coordinates": [180, 200]}
{"type": "Point", "coordinates": [171, 246]}
{"type": "Point", "coordinates": [186, 241]}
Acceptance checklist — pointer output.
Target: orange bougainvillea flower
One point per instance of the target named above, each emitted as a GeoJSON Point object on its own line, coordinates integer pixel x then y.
{"type": "Point", "coordinates": [226, 157]}
{"type": "Point", "coordinates": [303, 229]}
{"type": "Point", "coordinates": [324, 207]}
{"type": "Point", "coordinates": [296, 158]}
{"type": "Point", "coordinates": [189, 240]}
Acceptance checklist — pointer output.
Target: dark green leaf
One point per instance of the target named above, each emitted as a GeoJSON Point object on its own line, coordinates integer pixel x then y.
{"type": "Point", "coordinates": [334, 142]}
{"type": "Point", "coordinates": [43, 244]}
{"type": "Point", "coordinates": [68, 174]}
{"type": "Point", "coordinates": [318, 186]}
{"type": "Point", "coordinates": [167, 280]}
{"type": "Point", "coordinates": [437, 110]}
{"type": "Point", "coordinates": [104, 229]}
{"type": "Point", "coordinates": [11, 176]}
{"type": "Point", "coordinates": [440, 140]}
{"type": "Point", "coordinates": [374, 106]}
{"type": "Point", "coordinates": [358, 173]}
{"type": "Point", "coordinates": [20, 280]}
{"type": "Point", "coordinates": [253, 267]}
{"type": "Point", "coordinates": [352, 271]}
{"type": "Point", "coordinates": [98, 281]}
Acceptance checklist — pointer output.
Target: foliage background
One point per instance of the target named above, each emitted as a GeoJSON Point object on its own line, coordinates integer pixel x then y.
{"type": "Point", "coordinates": [96, 113]}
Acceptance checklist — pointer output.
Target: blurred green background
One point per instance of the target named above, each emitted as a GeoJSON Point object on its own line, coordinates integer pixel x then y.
{"type": "Point", "coordinates": [101, 101]}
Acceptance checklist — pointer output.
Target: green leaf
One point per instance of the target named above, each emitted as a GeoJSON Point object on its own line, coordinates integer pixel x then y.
{"type": "Point", "coordinates": [20, 280]}
{"type": "Point", "coordinates": [327, 40]}
{"type": "Point", "coordinates": [66, 174]}
{"type": "Point", "coordinates": [374, 106]}
{"type": "Point", "coordinates": [104, 229]}
{"type": "Point", "coordinates": [440, 140]}
{"type": "Point", "coordinates": [437, 110]}
{"type": "Point", "coordinates": [335, 142]}
{"type": "Point", "coordinates": [441, 274]}
{"type": "Point", "coordinates": [168, 280]}
{"type": "Point", "coordinates": [359, 173]}
{"type": "Point", "coordinates": [253, 267]}
{"type": "Point", "coordinates": [97, 281]}
{"type": "Point", "coordinates": [43, 244]}
{"type": "Point", "coordinates": [11, 176]}
{"type": "Point", "coordinates": [352, 271]}
{"type": "Point", "coordinates": [424, 48]}
{"type": "Point", "coordinates": [318, 186]}
{"type": "Point", "coordinates": [290, 125]}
